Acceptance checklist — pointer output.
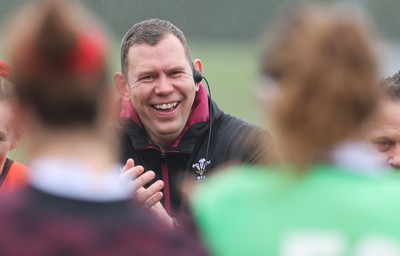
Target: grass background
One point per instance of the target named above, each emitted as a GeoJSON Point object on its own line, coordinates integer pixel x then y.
{"type": "Point", "coordinates": [231, 69]}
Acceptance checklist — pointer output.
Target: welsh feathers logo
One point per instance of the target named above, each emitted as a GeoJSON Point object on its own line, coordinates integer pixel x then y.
{"type": "Point", "coordinates": [200, 167]}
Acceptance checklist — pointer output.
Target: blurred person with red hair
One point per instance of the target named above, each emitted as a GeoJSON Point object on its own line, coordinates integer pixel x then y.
{"type": "Point", "coordinates": [12, 173]}
{"type": "Point", "coordinates": [330, 196]}
{"type": "Point", "coordinates": [75, 203]}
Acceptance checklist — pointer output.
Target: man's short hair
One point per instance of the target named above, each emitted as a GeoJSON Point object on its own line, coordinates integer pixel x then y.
{"type": "Point", "coordinates": [390, 87]}
{"type": "Point", "coordinates": [150, 32]}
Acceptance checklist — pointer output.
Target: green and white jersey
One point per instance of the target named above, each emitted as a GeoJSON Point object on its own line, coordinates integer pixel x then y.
{"type": "Point", "coordinates": [327, 211]}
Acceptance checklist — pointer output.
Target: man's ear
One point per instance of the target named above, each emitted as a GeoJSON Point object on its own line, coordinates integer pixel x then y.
{"type": "Point", "coordinates": [122, 86]}
{"type": "Point", "coordinates": [197, 65]}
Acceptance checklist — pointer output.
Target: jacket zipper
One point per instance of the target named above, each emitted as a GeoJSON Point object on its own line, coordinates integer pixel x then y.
{"type": "Point", "coordinates": [164, 172]}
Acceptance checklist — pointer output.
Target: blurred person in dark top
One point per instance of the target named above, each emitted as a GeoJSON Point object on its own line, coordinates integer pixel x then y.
{"type": "Point", "coordinates": [330, 195]}
{"type": "Point", "coordinates": [12, 174]}
{"type": "Point", "coordinates": [170, 126]}
{"type": "Point", "coordinates": [75, 204]}
{"type": "Point", "coordinates": [383, 131]}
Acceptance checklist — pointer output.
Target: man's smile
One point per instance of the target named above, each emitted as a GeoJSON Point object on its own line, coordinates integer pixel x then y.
{"type": "Point", "coordinates": [166, 106]}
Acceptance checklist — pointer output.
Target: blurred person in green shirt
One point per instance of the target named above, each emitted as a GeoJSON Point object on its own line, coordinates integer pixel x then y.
{"type": "Point", "coordinates": [330, 196]}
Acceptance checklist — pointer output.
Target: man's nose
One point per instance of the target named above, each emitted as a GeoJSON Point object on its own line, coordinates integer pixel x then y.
{"type": "Point", "coordinates": [394, 158]}
{"type": "Point", "coordinates": [164, 86]}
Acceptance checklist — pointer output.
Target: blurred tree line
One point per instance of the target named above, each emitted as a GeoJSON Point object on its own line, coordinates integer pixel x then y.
{"type": "Point", "coordinates": [217, 20]}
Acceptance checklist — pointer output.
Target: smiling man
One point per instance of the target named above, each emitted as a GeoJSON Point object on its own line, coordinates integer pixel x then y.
{"type": "Point", "coordinates": [384, 129]}
{"type": "Point", "coordinates": [170, 125]}
{"type": "Point", "coordinates": [161, 88]}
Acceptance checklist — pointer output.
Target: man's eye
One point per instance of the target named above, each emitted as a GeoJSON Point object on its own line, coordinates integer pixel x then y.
{"type": "Point", "coordinates": [148, 78]}
{"type": "Point", "coordinates": [384, 145]}
{"type": "Point", "coordinates": [175, 73]}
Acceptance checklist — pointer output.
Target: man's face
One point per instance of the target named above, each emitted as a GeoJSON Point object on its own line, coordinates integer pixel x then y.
{"type": "Point", "coordinates": [7, 132]}
{"type": "Point", "coordinates": [384, 131]}
{"type": "Point", "coordinates": [161, 87]}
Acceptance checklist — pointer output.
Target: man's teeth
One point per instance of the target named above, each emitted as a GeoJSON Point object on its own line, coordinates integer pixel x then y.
{"type": "Point", "coordinates": [165, 106]}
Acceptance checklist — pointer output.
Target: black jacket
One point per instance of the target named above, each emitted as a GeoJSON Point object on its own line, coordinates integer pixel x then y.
{"type": "Point", "coordinates": [232, 140]}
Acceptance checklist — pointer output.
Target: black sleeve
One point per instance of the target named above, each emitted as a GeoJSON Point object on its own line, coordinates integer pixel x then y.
{"type": "Point", "coordinates": [257, 147]}
{"type": "Point", "coordinates": [249, 144]}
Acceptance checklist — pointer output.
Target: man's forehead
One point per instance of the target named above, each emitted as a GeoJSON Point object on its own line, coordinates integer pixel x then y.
{"type": "Point", "coordinates": [385, 122]}
{"type": "Point", "coordinates": [142, 57]}
{"type": "Point", "coordinates": [385, 127]}
{"type": "Point", "coordinates": [168, 41]}
{"type": "Point", "coordinates": [389, 104]}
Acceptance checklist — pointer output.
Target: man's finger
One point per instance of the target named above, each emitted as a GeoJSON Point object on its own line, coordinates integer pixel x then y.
{"type": "Point", "coordinates": [129, 164]}
{"type": "Point", "coordinates": [133, 172]}
{"type": "Point", "coordinates": [128, 178]}
{"type": "Point", "coordinates": [141, 180]}
{"type": "Point", "coordinates": [143, 195]}
{"type": "Point", "coordinates": [156, 198]}
{"type": "Point", "coordinates": [160, 211]}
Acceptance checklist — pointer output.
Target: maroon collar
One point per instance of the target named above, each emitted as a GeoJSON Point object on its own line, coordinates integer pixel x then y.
{"type": "Point", "coordinates": [200, 112]}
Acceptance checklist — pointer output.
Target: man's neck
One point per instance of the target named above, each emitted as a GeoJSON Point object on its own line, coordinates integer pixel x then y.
{"type": "Point", "coordinates": [164, 143]}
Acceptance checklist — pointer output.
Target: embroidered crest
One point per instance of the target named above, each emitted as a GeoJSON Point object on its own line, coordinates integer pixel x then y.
{"type": "Point", "coordinates": [201, 168]}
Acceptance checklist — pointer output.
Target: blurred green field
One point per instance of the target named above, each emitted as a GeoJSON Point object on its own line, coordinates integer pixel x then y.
{"type": "Point", "coordinates": [230, 68]}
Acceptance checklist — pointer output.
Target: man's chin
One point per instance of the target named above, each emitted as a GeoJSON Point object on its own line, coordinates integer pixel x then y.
{"type": "Point", "coordinates": [171, 133]}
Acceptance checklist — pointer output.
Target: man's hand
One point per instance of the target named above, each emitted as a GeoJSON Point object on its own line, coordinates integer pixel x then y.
{"type": "Point", "coordinates": [150, 197]}
{"type": "Point", "coordinates": [161, 213]}
{"type": "Point", "coordinates": [136, 178]}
